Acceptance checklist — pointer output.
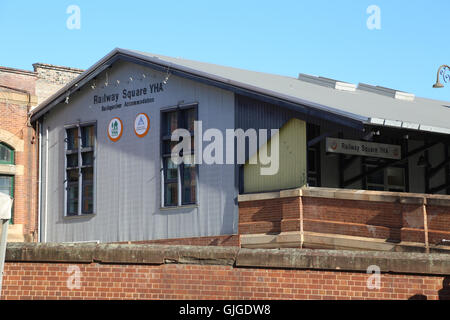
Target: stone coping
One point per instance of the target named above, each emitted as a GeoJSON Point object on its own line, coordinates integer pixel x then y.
{"type": "Point", "coordinates": [56, 67]}
{"type": "Point", "coordinates": [18, 71]}
{"type": "Point", "coordinates": [350, 194]}
{"type": "Point", "coordinates": [396, 262]}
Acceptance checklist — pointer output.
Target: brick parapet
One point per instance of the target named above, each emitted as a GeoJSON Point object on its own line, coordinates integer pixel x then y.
{"type": "Point", "coordinates": [111, 271]}
{"type": "Point", "coordinates": [396, 218]}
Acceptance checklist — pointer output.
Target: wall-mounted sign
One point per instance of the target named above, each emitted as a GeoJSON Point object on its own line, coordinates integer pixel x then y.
{"type": "Point", "coordinates": [363, 148]}
{"type": "Point", "coordinates": [128, 97]}
{"type": "Point", "coordinates": [115, 129]}
{"type": "Point", "coordinates": [141, 125]}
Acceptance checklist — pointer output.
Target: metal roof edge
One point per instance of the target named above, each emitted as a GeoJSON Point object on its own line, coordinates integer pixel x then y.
{"type": "Point", "coordinates": [407, 125]}
{"type": "Point", "coordinates": [78, 82]}
{"type": "Point", "coordinates": [37, 112]}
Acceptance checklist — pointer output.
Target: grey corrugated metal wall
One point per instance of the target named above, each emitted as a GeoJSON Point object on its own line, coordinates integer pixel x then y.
{"type": "Point", "coordinates": [128, 180]}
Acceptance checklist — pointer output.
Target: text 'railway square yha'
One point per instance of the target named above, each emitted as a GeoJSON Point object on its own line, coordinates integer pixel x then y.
{"type": "Point", "coordinates": [129, 93]}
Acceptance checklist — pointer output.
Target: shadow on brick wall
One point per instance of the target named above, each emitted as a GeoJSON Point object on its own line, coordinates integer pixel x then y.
{"type": "Point", "coordinates": [444, 293]}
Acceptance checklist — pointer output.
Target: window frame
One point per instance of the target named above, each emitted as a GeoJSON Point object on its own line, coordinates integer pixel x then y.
{"type": "Point", "coordinates": [11, 190]}
{"type": "Point", "coordinates": [80, 151]}
{"type": "Point", "coordinates": [368, 164]}
{"type": "Point", "coordinates": [164, 138]}
{"type": "Point", "coordinates": [11, 152]}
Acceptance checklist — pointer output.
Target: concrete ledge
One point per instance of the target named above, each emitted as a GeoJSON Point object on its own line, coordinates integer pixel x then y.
{"type": "Point", "coordinates": [120, 253]}
{"type": "Point", "coordinates": [349, 194]}
{"type": "Point", "coordinates": [398, 262]}
{"type": "Point", "coordinates": [416, 263]}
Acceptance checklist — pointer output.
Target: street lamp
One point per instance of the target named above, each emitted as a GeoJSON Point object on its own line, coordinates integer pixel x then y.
{"type": "Point", "coordinates": [438, 84]}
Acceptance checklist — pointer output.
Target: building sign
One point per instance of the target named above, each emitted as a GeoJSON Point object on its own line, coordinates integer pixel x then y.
{"type": "Point", "coordinates": [128, 97]}
{"type": "Point", "coordinates": [363, 148]}
{"type": "Point", "coordinates": [115, 129]}
{"type": "Point", "coordinates": [141, 125]}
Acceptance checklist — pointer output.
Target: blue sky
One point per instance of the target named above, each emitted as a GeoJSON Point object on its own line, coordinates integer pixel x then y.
{"type": "Point", "coordinates": [329, 38]}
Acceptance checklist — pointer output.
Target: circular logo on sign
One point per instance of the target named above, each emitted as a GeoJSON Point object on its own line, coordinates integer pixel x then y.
{"type": "Point", "coordinates": [334, 145]}
{"type": "Point", "coordinates": [141, 125]}
{"type": "Point", "coordinates": [115, 129]}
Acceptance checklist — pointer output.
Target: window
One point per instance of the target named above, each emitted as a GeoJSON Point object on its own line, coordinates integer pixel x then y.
{"type": "Point", "coordinates": [6, 154]}
{"type": "Point", "coordinates": [80, 164]}
{"type": "Point", "coordinates": [7, 181]}
{"type": "Point", "coordinates": [179, 181]}
{"type": "Point", "coordinates": [389, 179]}
{"type": "Point", "coordinates": [7, 187]}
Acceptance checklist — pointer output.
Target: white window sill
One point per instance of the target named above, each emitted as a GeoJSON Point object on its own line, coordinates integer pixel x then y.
{"type": "Point", "coordinates": [186, 206]}
{"type": "Point", "coordinates": [81, 216]}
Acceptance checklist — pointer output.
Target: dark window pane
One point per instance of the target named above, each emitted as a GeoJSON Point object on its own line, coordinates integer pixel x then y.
{"type": "Point", "coordinates": [312, 182]}
{"type": "Point", "coordinates": [6, 185]}
{"type": "Point", "coordinates": [72, 139]}
{"type": "Point", "coordinates": [87, 136]}
{"type": "Point", "coordinates": [171, 194]}
{"type": "Point", "coordinates": [72, 175]}
{"type": "Point", "coordinates": [192, 144]}
{"type": "Point", "coordinates": [190, 116]}
{"type": "Point", "coordinates": [72, 199]}
{"type": "Point", "coordinates": [5, 154]}
{"type": "Point", "coordinates": [312, 160]}
{"type": "Point", "coordinates": [171, 170]}
{"type": "Point", "coordinates": [171, 122]}
{"type": "Point", "coordinates": [72, 160]}
{"type": "Point", "coordinates": [395, 176]}
{"type": "Point", "coordinates": [87, 174]}
{"type": "Point", "coordinates": [88, 158]}
{"type": "Point", "coordinates": [87, 204]}
{"type": "Point", "coordinates": [377, 177]}
{"type": "Point", "coordinates": [168, 146]}
{"type": "Point", "coordinates": [189, 184]}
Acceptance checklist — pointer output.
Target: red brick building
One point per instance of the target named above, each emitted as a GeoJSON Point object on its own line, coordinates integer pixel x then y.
{"type": "Point", "coordinates": [20, 91]}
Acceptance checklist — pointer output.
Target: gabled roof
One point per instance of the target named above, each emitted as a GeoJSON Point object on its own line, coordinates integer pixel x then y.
{"type": "Point", "coordinates": [338, 102]}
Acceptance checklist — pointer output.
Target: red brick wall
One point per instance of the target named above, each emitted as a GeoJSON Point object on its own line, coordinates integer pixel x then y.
{"type": "Point", "coordinates": [373, 219]}
{"type": "Point", "coordinates": [176, 281]}
{"type": "Point", "coordinates": [269, 216]}
{"type": "Point", "coordinates": [13, 118]}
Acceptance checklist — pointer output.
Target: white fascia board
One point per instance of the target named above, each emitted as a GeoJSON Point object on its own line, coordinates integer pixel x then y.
{"type": "Point", "coordinates": [434, 129]}
{"type": "Point", "coordinates": [393, 123]}
{"type": "Point", "coordinates": [404, 96]}
{"type": "Point", "coordinates": [378, 121]}
{"type": "Point", "coordinates": [408, 125]}
{"type": "Point", "coordinates": [344, 86]}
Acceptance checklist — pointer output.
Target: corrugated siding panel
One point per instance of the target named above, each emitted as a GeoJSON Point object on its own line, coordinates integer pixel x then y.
{"type": "Point", "coordinates": [292, 161]}
{"type": "Point", "coordinates": [251, 113]}
{"type": "Point", "coordinates": [128, 188]}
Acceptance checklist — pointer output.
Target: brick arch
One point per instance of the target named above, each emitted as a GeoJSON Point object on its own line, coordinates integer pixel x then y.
{"type": "Point", "coordinates": [12, 140]}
